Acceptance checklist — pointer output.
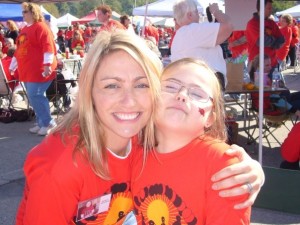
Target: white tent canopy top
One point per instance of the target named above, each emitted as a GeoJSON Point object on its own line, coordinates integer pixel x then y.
{"type": "Point", "coordinates": [66, 20]}
{"type": "Point", "coordinates": [293, 11]}
{"type": "Point", "coordinates": [164, 8]}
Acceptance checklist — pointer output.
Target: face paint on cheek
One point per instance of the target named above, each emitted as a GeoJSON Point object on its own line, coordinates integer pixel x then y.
{"type": "Point", "coordinates": [201, 111]}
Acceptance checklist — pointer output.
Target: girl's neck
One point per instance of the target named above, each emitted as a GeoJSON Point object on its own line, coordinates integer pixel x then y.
{"type": "Point", "coordinates": [171, 141]}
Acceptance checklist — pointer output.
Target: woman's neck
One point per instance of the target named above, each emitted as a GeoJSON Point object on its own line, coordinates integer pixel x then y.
{"type": "Point", "coordinates": [119, 147]}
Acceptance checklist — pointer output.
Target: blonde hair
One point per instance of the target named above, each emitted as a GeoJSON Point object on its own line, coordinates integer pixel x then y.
{"type": "Point", "coordinates": [79, 35]}
{"type": "Point", "coordinates": [288, 18]}
{"type": "Point", "coordinates": [35, 10]}
{"type": "Point", "coordinates": [217, 129]}
{"type": "Point", "coordinates": [91, 142]}
{"type": "Point", "coordinates": [12, 25]}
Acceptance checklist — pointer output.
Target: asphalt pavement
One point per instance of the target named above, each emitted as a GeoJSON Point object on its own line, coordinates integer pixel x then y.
{"type": "Point", "coordinates": [16, 142]}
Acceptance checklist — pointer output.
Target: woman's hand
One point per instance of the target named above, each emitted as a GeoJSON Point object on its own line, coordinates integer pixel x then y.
{"type": "Point", "coordinates": [47, 71]}
{"type": "Point", "coordinates": [247, 173]}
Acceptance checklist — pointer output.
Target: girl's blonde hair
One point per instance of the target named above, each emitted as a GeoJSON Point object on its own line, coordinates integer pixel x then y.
{"type": "Point", "coordinates": [217, 129]}
{"type": "Point", "coordinates": [90, 131]}
{"type": "Point", "coordinates": [35, 10]}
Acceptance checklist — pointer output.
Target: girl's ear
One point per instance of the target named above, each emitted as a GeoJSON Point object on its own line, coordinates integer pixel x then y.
{"type": "Point", "coordinates": [210, 120]}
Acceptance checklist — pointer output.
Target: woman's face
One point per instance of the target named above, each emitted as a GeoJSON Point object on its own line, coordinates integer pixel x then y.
{"type": "Point", "coordinates": [185, 112]}
{"type": "Point", "coordinates": [121, 96]}
{"type": "Point", "coordinates": [27, 15]}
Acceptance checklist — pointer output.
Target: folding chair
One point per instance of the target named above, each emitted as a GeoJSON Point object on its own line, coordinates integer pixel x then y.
{"type": "Point", "coordinates": [58, 92]}
{"type": "Point", "coordinates": [273, 118]}
{"type": "Point", "coordinates": [7, 89]}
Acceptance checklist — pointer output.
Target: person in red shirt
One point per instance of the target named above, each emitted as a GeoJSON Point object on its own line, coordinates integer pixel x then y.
{"type": "Point", "coordinates": [104, 16]}
{"type": "Point", "coordinates": [294, 42]}
{"type": "Point", "coordinates": [36, 62]}
{"type": "Point", "coordinates": [237, 43]}
{"type": "Point", "coordinates": [151, 31]}
{"type": "Point", "coordinates": [87, 35]}
{"type": "Point", "coordinates": [273, 39]}
{"type": "Point", "coordinates": [5, 63]}
{"type": "Point", "coordinates": [285, 23]}
{"type": "Point", "coordinates": [77, 41]}
{"type": "Point", "coordinates": [68, 36]}
{"type": "Point", "coordinates": [290, 149]}
{"type": "Point", "coordinates": [190, 135]}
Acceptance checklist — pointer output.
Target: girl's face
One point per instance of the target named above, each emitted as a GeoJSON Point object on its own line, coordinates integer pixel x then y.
{"type": "Point", "coordinates": [122, 97]}
{"type": "Point", "coordinates": [186, 101]}
{"type": "Point", "coordinates": [267, 65]}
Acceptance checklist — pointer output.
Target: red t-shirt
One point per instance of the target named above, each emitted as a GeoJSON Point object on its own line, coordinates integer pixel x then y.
{"type": "Point", "coordinates": [77, 44]}
{"type": "Point", "coordinates": [238, 49]}
{"type": "Point", "coordinates": [295, 35]}
{"type": "Point", "coordinates": [290, 148]}
{"type": "Point", "coordinates": [282, 52]}
{"type": "Point", "coordinates": [32, 42]}
{"type": "Point", "coordinates": [152, 32]}
{"type": "Point", "coordinates": [5, 63]}
{"type": "Point", "coordinates": [56, 182]}
{"type": "Point", "coordinates": [252, 35]}
{"type": "Point", "coordinates": [176, 187]}
{"type": "Point", "coordinates": [69, 34]}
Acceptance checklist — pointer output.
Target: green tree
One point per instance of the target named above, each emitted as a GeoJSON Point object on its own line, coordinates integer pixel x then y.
{"type": "Point", "coordinates": [282, 5]}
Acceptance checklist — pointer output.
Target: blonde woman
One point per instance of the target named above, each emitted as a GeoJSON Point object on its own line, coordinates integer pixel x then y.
{"type": "Point", "coordinates": [88, 157]}
{"type": "Point", "coordinates": [13, 30]}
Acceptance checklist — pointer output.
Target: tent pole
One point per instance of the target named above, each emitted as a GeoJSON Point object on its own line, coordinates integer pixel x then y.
{"type": "Point", "coordinates": [261, 72]}
{"type": "Point", "coordinates": [145, 18]}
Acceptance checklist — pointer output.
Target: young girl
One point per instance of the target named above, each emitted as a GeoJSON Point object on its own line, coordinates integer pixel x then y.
{"type": "Point", "coordinates": [174, 186]}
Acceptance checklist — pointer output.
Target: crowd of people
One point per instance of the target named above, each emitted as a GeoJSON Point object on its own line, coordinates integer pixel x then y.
{"type": "Point", "coordinates": [133, 119]}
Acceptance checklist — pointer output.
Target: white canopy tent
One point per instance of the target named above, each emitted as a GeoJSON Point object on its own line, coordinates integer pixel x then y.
{"type": "Point", "coordinates": [294, 11]}
{"type": "Point", "coordinates": [66, 20]}
{"type": "Point", "coordinates": [164, 8]}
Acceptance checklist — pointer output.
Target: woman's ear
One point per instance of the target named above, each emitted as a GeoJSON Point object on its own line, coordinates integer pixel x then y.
{"type": "Point", "coordinates": [210, 120]}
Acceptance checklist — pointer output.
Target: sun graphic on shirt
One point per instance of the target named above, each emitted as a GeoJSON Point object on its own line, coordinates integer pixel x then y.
{"type": "Point", "coordinates": [21, 39]}
{"type": "Point", "coordinates": [121, 204]}
{"type": "Point", "coordinates": [159, 209]}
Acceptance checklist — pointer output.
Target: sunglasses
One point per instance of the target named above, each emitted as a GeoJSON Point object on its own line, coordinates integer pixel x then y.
{"type": "Point", "coordinates": [24, 11]}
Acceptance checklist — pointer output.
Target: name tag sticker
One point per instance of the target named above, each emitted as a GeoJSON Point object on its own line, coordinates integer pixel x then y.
{"type": "Point", "coordinates": [92, 207]}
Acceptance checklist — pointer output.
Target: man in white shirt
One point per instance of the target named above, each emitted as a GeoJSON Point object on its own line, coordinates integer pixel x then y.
{"type": "Point", "coordinates": [201, 40]}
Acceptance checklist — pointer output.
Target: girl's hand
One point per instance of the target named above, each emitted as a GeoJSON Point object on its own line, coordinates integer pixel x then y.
{"type": "Point", "coordinates": [247, 173]}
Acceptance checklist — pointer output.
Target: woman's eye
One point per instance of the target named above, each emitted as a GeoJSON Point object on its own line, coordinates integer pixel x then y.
{"type": "Point", "coordinates": [142, 85]}
{"type": "Point", "coordinates": [111, 86]}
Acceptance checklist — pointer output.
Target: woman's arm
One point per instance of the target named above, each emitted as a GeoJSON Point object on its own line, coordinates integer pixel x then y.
{"type": "Point", "coordinates": [237, 176]}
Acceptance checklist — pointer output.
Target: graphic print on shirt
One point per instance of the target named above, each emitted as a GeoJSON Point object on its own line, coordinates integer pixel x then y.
{"type": "Point", "coordinates": [159, 204]}
{"type": "Point", "coordinates": [22, 44]}
{"type": "Point", "coordinates": [120, 204]}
